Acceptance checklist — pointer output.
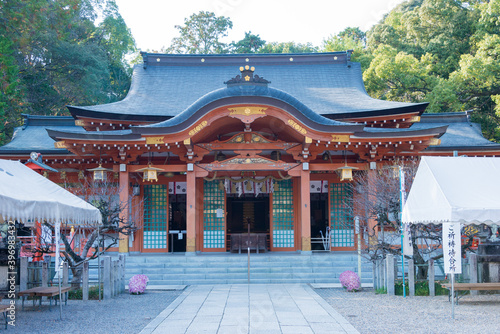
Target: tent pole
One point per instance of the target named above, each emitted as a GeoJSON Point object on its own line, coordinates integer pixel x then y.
{"type": "Point", "coordinates": [453, 295]}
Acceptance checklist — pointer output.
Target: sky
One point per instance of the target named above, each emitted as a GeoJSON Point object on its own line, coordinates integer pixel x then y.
{"type": "Point", "coordinates": [152, 22]}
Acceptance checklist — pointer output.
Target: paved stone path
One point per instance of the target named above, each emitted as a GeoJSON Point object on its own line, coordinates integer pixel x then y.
{"type": "Point", "coordinates": [241, 308]}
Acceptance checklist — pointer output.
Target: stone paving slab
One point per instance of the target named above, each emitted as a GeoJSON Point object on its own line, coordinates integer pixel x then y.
{"type": "Point", "coordinates": [249, 309]}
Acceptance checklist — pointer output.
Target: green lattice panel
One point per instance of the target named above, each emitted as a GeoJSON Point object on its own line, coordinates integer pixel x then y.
{"type": "Point", "coordinates": [341, 228]}
{"type": "Point", "coordinates": [213, 224]}
{"type": "Point", "coordinates": [155, 216]}
{"type": "Point", "coordinates": [283, 234]}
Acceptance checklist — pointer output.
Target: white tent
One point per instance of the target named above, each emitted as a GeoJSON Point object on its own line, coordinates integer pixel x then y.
{"type": "Point", "coordinates": [455, 189]}
{"type": "Point", "coordinates": [25, 195]}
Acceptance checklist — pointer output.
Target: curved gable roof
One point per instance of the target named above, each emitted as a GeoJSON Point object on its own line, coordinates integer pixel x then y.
{"type": "Point", "coordinates": [329, 84]}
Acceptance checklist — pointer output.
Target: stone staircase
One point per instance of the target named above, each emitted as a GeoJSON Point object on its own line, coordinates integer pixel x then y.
{"type": "Point", "coordinates": [226, 268]}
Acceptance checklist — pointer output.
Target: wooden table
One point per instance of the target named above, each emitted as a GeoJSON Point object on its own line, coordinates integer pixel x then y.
{"type": "Point", "coordinates": [4, 309]}
{"type": "Point", "coordinates": [470, 286]}
{"type": "Point", "coordinates": [49, 292]}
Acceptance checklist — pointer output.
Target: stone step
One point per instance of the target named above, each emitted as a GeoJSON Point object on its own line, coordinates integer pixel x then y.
{"type": "Point", "coordinates": [220, 268]}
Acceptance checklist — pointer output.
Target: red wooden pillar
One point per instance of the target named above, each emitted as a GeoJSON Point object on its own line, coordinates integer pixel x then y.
{"type": "Point", "coordinates": [191, 213]}
{"type": "Point", "coordinates": [124, 199]}
{"type": "Point", "coordinates": [305, 210]}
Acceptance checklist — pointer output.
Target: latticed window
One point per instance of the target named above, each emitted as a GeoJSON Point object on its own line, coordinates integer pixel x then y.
{"type": "Point", "coordinates": [155, 216]}
{"type": "Point", "coordinates": [283, 234]}
{"type": "Point", "coordinates": [341, 222]}
{"type": "Point", "coordinates": [213, 215]}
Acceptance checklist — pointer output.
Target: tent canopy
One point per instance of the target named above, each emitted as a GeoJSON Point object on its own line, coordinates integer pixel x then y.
{"type": "Point", "coordinates": [455, 189]}
{"type": "Point", "coordinates": [26, 196]}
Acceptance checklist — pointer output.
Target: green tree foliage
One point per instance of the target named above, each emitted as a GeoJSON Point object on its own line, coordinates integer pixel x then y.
{"type": "Point", "coordinates": [249, 44]}
{"type": "Point", "coordinates": [350, 39]}
{"type": "Point", "coordinates": [62, 55]}
{"type": "Point", "coordinates": [288, 47]}
{"type": "Point", "coordinates": [445, 52]}
{"type": "Point", "coordinates": [201, 34]}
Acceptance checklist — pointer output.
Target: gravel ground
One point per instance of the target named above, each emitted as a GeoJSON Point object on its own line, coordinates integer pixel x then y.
{"type": "Point", "coordinates": [121, 315]}
{"type": "Point", "coordinates": [371, 313]}
{"type": "Point", "coordinates": [368, 312]}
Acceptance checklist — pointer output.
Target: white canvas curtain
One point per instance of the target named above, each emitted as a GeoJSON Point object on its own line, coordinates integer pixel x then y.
{"type": "Point", "coordinates": [455, 189]}
{"type": "Point", "coordinates": [26, 196]}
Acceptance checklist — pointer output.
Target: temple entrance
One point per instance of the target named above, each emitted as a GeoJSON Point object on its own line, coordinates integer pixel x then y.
{"type": "Point", "coordinates": [244, 210]}
{"type": "Point", "coordinates": [177, 217]}
{"type": "Point", "coordinates": [320, 228]}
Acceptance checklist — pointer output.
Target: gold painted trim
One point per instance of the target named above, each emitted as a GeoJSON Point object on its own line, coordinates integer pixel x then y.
{"type": "Point", "coordinates": [154, 140]}
{"type": "Point", "coordinates": [198, 128]}
{"type": "Point", "coordinates": [79, 122]}
{"type": "Point", "coordinates": [434, 142]}
{"type": "Point", "coordinates": [415, 119]}
{"type": "Point", "coordinates": [187, 141]}
{"type": "Point", "coordinates": [306, 244]}
{"type": "Point", "coordinates": [341, 138]}
{"type": "Point", "coordinates": [247, 111]}
{"type": "Point", "coordinates": [60, 144]}
{"type": "Point", "coordinates": [297, 127]}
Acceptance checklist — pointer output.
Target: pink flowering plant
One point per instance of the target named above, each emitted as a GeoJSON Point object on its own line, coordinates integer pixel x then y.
{"type": "Point", "coordinates": [350, 280]}
{"type": "Point", "coordinates": [137, 284]}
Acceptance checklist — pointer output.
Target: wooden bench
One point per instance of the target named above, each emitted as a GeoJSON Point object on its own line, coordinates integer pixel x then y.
{"type": "Point", "coordinates": [470, 286]}
{"type": "Point", "coordinates": [4, 309]}
{"type": "Point", "coordinates": [49, 292]}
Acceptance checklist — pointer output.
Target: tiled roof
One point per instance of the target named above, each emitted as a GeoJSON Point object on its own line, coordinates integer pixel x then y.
{"type": "Point", "coordinates": [33, 137]}
{"type": "Point", "coordinates": [326, 86]}
{"type": "Point", "coordinates": [461, 133]}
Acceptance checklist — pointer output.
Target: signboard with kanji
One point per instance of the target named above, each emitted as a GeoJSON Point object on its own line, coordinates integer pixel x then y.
{"type": "Point", "coordinates": [452, 248]}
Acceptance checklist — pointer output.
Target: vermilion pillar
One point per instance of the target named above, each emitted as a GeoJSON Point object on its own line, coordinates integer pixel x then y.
{"type": "Point", "coordinates": [124, 200]}
{"type": "Point", "coordinates": [305, 210]}
{"type": "Point", "coordinates": [191, 213]}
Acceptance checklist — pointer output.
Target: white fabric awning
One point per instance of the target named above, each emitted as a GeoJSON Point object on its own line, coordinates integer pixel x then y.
{"type": "Point", "coordinates": [455, 189]}
{"type": "Point", "coordinates": [25, 195]}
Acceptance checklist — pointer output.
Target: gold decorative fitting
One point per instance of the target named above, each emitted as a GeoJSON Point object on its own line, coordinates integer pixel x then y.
{"type": "Point", "coordinates": [198, 128]}
{"type": "Point", "coordinates": [308, 140]}
{"type": "Point", "coordinates": [241, 68]}
{"type": "Point", "coordinates": [46, 174]}
{"type": "Point", "coordinates": [81, 175]}
{"type": "Point", "coordinates": [247, 67]}
{"type": "Point", "coordinates": [341, 138]}
{"type": "Point", "coordinates": [79, 122]}
{"type": "Point", "coordinates": [154, 140]}
{"type": "Point", "coordinates": [415, 119]}
{"type": "Point", "coordinates": [297, 127]}
{"type": "Point", "coordinates": [202, 60]}
{"type": "Point", "coordinates": [247, 78]}
{"type": "Point", "coordinates": [252, 68]}
{"type": "Point", "coordinates": [63, 175]}
{"type": "Point", "coordinates": [247, 111]}
{"type": "Point", "coordinates": [60, 144]}
{"type": "Point", "coordinates": [434, 141]}
{"type": "Point", "coordinates": [187, 141]}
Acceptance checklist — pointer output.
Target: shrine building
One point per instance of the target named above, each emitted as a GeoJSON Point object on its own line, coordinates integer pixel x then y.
{"type": "Point", "coordinates": [216, 146]}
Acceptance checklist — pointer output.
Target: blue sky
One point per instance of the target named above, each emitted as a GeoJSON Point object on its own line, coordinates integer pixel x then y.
{"type": "Point", "coordinates": [152, 21]}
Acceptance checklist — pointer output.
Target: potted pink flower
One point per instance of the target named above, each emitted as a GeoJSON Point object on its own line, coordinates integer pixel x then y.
{"type": "Point", "coordinates": [350, 280]}
{"type": "Point", "coordinates": [137, 284]}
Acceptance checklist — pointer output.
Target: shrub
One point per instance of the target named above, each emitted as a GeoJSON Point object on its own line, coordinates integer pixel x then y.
{"type": "Point", "coordinates": [137, 284]}
{"type": "Point", "coordinates": [78, 294]}
{"type": "Point", "coordinates": [350, 280]}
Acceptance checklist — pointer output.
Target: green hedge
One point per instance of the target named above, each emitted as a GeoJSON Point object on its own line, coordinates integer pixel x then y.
{"type": "Point", "coordinates": [421, 288]}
